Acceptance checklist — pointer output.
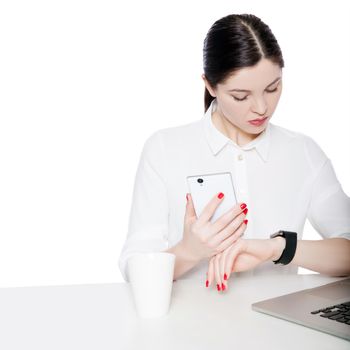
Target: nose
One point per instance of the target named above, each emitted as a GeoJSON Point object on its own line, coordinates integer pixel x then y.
{"type": "Point", "coordinates": [259, 106]}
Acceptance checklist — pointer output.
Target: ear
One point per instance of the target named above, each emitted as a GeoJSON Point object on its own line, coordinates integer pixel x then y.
{"type": "Point", "coordinates": [208, 86]}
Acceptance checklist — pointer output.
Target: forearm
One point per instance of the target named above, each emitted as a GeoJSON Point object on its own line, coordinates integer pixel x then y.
{"type": "Point", "coordinates": [183, 262]}
{"type": "Point", "coordinates": [328, 256]}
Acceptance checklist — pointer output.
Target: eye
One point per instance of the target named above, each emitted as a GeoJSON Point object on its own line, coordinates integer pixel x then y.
{"type": "Point", "coordinates": [240, 99]}
{"type": "Point", "coordinates": [275, 89]}
{"type": "Point", "coordinates": [244, 98]}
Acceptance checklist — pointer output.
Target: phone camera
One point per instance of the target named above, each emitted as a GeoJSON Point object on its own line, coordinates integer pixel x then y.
{"type": "Point", "coordinates": [200, 181]}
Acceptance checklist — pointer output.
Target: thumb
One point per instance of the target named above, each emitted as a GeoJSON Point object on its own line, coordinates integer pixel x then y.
{"type": "Point", "coordinates": [190, 212]}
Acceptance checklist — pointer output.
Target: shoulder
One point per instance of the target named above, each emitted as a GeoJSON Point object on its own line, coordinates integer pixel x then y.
{"type": "Point", "coordinates": [174, 136]}
{"type": "Point", "coordinates": [171, 143]}
{"type": "Point", "coordinates": [298, 143]}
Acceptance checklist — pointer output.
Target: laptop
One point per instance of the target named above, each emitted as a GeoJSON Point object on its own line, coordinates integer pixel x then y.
{"type": "Point", "coordinates": [325, 308]}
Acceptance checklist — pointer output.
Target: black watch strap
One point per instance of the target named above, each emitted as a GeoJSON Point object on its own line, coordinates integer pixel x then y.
{"type": "Point", "coordinates": [291, 246]}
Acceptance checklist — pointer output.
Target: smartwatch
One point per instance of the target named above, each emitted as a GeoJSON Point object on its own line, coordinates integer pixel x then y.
{"type": "Point", "coordinates": [291, 246]}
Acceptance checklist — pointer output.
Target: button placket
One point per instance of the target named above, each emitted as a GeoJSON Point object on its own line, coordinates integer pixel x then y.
{"type": "Point", "coordinates": [241, 184]}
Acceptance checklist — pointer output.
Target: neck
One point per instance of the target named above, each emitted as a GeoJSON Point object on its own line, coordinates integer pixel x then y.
{"type": "Point", "coordinates": [231, 131]}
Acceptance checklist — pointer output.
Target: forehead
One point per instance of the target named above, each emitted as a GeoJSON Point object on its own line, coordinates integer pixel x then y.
{"type": "Point", "coordinates": [255, 77]}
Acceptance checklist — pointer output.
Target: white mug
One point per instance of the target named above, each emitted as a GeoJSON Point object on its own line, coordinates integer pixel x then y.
{"type": "Point", "coordinates": [151, 279]}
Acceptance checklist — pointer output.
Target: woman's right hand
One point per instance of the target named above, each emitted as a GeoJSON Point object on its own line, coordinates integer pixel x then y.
{"type": "Point", "coordinates": [203, 239]}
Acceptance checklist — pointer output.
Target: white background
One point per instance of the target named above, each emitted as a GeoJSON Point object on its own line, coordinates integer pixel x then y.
{"type": "Point", "coordinates": [84, 83]}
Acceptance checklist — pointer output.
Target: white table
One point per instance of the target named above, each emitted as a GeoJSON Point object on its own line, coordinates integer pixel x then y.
{"type": "Point", "coordinates": [103, 317]}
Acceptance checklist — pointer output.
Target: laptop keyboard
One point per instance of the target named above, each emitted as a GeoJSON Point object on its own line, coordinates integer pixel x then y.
{"type": "Point", "coordinates": [339, 312]}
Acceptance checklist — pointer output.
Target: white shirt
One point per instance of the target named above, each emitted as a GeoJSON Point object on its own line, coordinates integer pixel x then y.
{"type": "Point", "coordinates": [283, 177]}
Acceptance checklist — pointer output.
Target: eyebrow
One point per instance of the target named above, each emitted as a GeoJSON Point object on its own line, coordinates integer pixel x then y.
{"type": "Point", "coordinates": [242, 90]}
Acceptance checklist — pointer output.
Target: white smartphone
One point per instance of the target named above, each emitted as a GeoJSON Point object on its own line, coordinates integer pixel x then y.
{"type": "Point", "coordinates": [204, 187]}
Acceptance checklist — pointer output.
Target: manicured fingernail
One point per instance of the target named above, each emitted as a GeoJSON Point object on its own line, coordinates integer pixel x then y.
{"type": "Point", "coordinates": [245, 211]}
{"type": "Point", "coordinates": [243, 206]}
{"type": "Point", "coordinates": [245, 221]}
{"type": "Point", "coordinates": [207, 283]}
{"type": "Point", "coordinates": [220, 195]}
{"type": "Point", "coordinates": [223, 286]}
{"type": "Point", "coordinates": [218, 287]}
{"type": "Point", "coordinates": [225, 277]}
{"type": "Point", "coordinates": [187, 196]}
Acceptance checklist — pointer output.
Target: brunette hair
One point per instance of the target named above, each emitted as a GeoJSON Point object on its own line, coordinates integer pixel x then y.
{"type": "Point", "coordinates": [234, 42]}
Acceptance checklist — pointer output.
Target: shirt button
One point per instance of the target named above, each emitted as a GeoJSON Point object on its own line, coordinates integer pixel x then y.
{"type": "Point", "coordinates": [240, 157]}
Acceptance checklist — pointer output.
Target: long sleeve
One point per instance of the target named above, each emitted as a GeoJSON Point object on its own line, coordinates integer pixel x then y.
{"type": "Point", "coordinates": [148, 221]}
{"type": "Point", "coordinates": [329, 210]}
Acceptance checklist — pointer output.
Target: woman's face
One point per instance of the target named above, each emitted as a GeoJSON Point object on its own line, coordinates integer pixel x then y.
{"type": "Point", "coordinates": [248, 98]}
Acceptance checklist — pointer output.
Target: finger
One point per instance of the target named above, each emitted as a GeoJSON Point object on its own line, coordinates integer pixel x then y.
{"type": "Point", "coordinates": [228, 217]}
{"type": "Point", "coordinates": [210, 208]}
{"type": "Point", "coordinates": [236, 236]}
{"type": "Point", "coordinates": [190, 213]}
{"type": "Point", "coordinates": [237, 248]}
{"type": "Point", "coordinates": [223, 262]}
{"type": "Point", "coordinates": [210, 276]}
{"type": "Point", "coordinates": [229, 234]}
{"type": "Point", "coordinates": [245, 223]}
{"type": "Point", "coordinates": [219, 284]}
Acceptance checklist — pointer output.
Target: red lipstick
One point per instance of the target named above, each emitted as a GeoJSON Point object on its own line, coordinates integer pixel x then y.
{"type": "Point", "coordinates": [258, 122]}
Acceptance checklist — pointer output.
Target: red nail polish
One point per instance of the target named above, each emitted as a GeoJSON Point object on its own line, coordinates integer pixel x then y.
{"type": "Point", "coordinates": [187, 197]}
{"type": "Point", "coordinates": [218, 287]}
{"type": "Point", "coordinates": [220, 195]}
{"type": "Point", "coordinates": [225, 277]}
{"type": "Point", "coordinates": [243, 206]}
{"type": "Point", "coordinates": [223, 286]}
{"type": "Point", "coordinates": [245, 211]}
{"type": "Point", "coordinates": [207, 283]}
{"type": "Point", "coordinates": [245, 221]}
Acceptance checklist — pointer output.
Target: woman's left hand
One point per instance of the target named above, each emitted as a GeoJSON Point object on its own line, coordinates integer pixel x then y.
{"type": "Point", "coordinates": [244, 254]}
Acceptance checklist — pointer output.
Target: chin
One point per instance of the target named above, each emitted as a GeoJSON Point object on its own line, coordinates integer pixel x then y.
{"type": "Point", "coordinates": [255, 130]}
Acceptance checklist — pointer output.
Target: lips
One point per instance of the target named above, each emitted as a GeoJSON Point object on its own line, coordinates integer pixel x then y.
{"type": "Point", "coordinates": [258, 122]}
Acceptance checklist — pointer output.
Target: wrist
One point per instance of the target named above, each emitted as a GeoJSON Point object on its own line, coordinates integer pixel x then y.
{"type": "Point", "coordinates": [186, 253]}
{"type": "Point", "coordinates": [278, 246]}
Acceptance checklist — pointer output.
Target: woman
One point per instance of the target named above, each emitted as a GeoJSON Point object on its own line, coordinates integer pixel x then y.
{"type": "Point", "coordinates": [280, 177]}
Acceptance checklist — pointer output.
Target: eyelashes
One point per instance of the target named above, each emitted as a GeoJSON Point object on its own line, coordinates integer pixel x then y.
{"type": "Point", "coordinates": [244, 98]}
{"type": "Point", "coordinates": [240, 99]}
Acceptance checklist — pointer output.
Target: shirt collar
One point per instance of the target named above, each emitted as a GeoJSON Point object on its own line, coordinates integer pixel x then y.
{"type": "Point", "coordinates": [217, 141]}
